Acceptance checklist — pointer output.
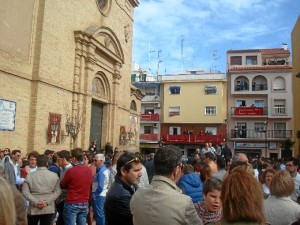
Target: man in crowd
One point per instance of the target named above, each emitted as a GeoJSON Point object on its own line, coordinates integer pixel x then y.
{"type": "Point", "coordinates": [77, 181]}
{"type": "Point", "coordinates": [41, 188]}
{"type": "Point", "coordinates": [63, 160]}
{"type": "Point", "coordinates": [150, 167]}
{"type": "Point", "coordinates": [54, 166]}
{"type": "Point", "coordinates": [99, 188]}
{"type": "Point", "coordinates": [163, 203]}
{"type": "Point", "coordinates": [116, 206]}
{"type": "Point", "coordinates": [12, 169]}
{"type": "Point", "coordinates": [292, 167]}
{"type": "Point", "coordinates": [19, 201]}
{"type": "Point", "coordinates": [210, 161]}
{"type": "Point", "coordinates": [226, 152]}
{"type": "Point", "coordinates": [221, 169]}
{"type": "Point", "coordinates": [204, 150]}
{"type": "Point", "coordinates": [49, 153]}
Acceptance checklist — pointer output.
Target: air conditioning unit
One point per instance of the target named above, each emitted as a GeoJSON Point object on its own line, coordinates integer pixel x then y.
{"type": "Point", "coordinates": [158, 106]}
{"type": "Point", "coordinates": [156, 125]}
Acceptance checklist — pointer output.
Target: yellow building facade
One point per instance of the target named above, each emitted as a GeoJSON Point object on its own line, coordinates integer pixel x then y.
{"type": "Point", "coordinates": [67, 63]}
{"type": "Point", "coordinates": [296, 83]}
{"type": "Point", "coordinates": [194, 106]}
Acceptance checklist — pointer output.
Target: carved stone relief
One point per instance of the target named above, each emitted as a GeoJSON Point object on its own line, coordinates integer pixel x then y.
{"type": "Point", "coordinates": [98, 88]}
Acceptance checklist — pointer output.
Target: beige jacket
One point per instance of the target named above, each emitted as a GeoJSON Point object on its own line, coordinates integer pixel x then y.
{"type": "Point", "coordinates": [162, 203]}
{"type": "Point", "coordinates": [41, 185]}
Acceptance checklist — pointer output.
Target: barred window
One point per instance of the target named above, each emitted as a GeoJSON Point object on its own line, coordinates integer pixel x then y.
{"type": "Point", "coordinates": [279, 107]}
{"type": "Point", "coordinates": [210, 89]}
{"type": "Point", "coordinates": [210, 110]}
{"type": "Point", "coordinates": [174, 111]}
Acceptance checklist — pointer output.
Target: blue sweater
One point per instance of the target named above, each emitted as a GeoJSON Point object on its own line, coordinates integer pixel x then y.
{"type": "Point", "coordinates": [191, 185]}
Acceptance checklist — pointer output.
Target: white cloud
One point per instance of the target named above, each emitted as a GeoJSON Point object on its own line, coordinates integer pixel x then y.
{"type": "Point", "coordinates": [206, 25]}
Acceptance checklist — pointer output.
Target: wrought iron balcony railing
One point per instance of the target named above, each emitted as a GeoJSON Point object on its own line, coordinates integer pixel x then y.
{"type": "Point", "coordinates": [274, 134]}
{"type": "Point", "coordinates": [192, 139]}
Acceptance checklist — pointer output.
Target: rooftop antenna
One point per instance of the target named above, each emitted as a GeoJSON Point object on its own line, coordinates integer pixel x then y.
{"type": "Point", "coordinates": [149, 56]}
{"type": "Point", "coordinates": [182, 62]}
{"type": "Point", "coordinates": [194, 56]}
{"type": "Point", "coordinates": [215, 57]}
{"type": "Point", "coordinates": [158, 61]}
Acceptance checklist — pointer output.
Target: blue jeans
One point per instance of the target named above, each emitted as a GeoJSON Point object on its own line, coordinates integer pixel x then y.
{"type": "Point", "coordinates": [75, 213]}
{"type": "Point", "coordinates": [98, 207]}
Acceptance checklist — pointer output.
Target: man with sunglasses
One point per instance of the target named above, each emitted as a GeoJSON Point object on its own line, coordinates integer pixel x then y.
{"type": "Point", "coordinates": [12, 169]}
{"type": "Point", "coordinates": [163, 203]}
{"type": "Point", "coordinates": [116, 206]}
{"type": "Point", "coordinates": [292, 167]}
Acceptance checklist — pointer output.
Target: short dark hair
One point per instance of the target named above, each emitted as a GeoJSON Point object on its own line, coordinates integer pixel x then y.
{"type": "Point", "coordinates": [209, 155]}
{"type": "Point", "coordinates": [42, 160]}
{"type": "Point", "coordinates": [211, 184]}
{"type": "Point", "coordinates": [77, 153]}
{"type": "Point", "coordinates": [64, 154]}
{"type": "Point", "coordinates": [294, 160]}
{"type": "Point", "coordinates": [34, 154]}
{"type": "Point", "coordinates": [166, 159]}
{"type": "Point", "coordinates": [15, 151]}
{"type": "Point", "coordinates": [54, 157]}
{"type": "Point", "coordinates": [123, 162]}
{"type": "Point", "coordinates": [221, 162]}
{"type": "Point", "coordinates": [48, 152]}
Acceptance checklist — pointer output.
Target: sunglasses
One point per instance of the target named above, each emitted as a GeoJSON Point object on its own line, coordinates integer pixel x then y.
{"type": "Point", "coordinates": [136, 159]}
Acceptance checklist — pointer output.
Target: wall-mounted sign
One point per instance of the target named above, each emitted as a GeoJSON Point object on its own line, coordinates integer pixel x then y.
{"type": "Point", "coordinates": [250, 145]}
{"type": "Point", "coordinates": [7, 115]}
{"type": "Point", "coordinates": [272, 145]}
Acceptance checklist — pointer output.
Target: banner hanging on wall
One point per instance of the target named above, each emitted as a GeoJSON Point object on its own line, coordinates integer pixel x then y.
{"type": "Point", "coordinates": [7, 115]}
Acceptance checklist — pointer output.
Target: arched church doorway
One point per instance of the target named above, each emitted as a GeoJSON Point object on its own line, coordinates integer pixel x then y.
{"type": "Point", "coordinates": [96, 123]}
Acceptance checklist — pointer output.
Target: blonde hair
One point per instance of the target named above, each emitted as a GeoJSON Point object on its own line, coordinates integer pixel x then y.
{"type": "Point", "coordinates": [7, 204]}
{"type": "Point", "coordinates": [282, 184]}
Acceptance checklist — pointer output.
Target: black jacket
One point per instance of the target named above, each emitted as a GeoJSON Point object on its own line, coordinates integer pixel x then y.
{"type": "Point", "coordinates": [116, 206]}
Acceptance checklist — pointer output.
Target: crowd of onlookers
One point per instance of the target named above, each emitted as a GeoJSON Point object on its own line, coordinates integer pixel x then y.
{"type": "Point", "coordinates": [112, 187]}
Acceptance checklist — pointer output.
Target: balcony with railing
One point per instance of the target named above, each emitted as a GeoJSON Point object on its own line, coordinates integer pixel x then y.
{"type": "Point", "coordinates": [261, 134]}
{"type": "Point", "coordinates": [151, 98]}
{"type": "Point", "coordinates": [192, 139]}
{"type": "Point", "coordinates": [149, 137]}
{"type": "Point", "coordinates": [259, 87]}
{"type": "Point", "coordinates": [150, 117]}
{"type": "Point", "coordinates": [249, 111]}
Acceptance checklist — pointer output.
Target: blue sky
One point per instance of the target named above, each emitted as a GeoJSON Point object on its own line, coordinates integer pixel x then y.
{"type": "Point", "coordinates": [209, 28]}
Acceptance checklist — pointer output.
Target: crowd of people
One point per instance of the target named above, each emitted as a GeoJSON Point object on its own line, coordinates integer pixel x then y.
{"type": "Point", "coordinates": [112, 187]}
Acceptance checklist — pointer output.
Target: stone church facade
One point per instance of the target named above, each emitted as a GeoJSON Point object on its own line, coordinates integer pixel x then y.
{"type": "Point", "coordinates": [65, 72]}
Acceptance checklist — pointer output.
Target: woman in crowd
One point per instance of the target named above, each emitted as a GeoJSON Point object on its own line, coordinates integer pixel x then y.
{"type": "Point", "coordinates": [280, 209]}
{"type": "Point", "coordinates": [242, 199]}
{"type": "Point", "coordinates": [7, 204]}
{"type": "Point", "coordinates": [267, 178]}
{"type": "Point", "coordinates": [210, 210]}
{"type": "Point", "coordinates": [190, 183]}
